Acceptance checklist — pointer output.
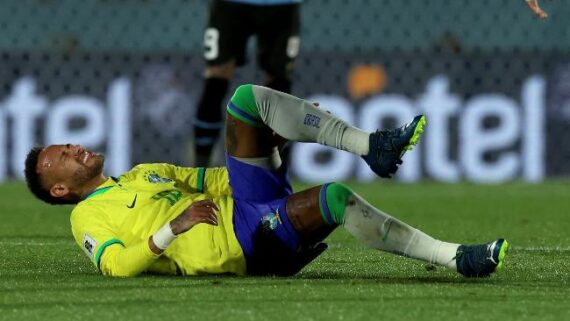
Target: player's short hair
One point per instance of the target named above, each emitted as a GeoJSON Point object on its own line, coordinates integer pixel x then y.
{"type": "Point", "coordinates": [34, 180]}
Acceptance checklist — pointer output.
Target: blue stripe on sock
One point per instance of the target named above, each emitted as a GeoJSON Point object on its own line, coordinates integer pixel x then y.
{"type": "Point", "coordinates": [240, 112]}
{"type": "Point", "coordinates": [324, 206]}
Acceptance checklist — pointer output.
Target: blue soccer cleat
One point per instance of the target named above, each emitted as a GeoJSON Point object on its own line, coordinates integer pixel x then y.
{"type": "Point", "coordinates": [481, 260]}
{"type": "Point", "coordinates": [388, 146]}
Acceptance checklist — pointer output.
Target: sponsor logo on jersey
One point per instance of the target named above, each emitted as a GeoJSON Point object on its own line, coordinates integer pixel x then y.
{"type": "Point", "coordinates": [89, 245]}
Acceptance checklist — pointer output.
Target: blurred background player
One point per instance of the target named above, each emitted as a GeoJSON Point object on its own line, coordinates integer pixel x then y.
{"type": "Point", "coordinates": [275, 23]}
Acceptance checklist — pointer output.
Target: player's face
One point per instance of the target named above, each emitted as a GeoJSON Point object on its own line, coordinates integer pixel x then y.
{"type": "Point", "coordinates": [69, 165]}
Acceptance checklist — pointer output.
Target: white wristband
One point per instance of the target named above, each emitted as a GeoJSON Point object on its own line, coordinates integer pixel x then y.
{"type": "Point", "coordinates": [163, 237]}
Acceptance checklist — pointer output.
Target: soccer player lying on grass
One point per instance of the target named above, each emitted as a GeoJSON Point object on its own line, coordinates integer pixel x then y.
{"type": "Point", "coordinates": [242, 219]}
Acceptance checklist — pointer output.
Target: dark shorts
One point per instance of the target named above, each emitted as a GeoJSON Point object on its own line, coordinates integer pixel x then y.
{"type": "Point", "coordinates": [276, 27]}
{"type": "Point", "coordinates": [269, 241]}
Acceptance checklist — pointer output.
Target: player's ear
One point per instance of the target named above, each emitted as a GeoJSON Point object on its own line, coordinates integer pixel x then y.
{"type": "Point", "coordinates": [59, 190]}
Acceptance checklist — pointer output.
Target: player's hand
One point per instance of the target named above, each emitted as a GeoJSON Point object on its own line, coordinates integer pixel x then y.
{"type": "Point", "coordinates": [533, 5]}
{"type": "Point", "coordinates": [199, 212]}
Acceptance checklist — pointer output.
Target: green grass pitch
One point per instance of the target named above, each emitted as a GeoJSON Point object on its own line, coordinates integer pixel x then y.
{"type": "Point", "coordinates": [45, 276]}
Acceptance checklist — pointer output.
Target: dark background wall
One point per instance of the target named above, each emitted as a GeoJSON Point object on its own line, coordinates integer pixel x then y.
{"type": "Point", "coordinates": [328, 25]}
{"type": "Point", "coordinates": [355, 50]}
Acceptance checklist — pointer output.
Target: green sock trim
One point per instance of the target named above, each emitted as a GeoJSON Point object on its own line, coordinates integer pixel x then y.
{"type": "Point", "coordinates": [337, 196]}
{"type": "Point", "coordinates": [244, 119]}
{"type": "Point", "coordinates": [323, 207]}
{"type": "Point", "coordinates": [244, 100]}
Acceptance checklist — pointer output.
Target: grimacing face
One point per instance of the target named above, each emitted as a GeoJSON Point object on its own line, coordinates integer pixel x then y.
{"type": "Point", "coordinates": [66, 168]}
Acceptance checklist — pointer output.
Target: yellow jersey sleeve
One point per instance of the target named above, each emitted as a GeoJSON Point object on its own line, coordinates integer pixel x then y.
{"type": "Point", "coordinates": [211, 181]}
{"type": "Point", "coordinates": [107, 252]}
{"type": "Point", "coordinates": [121, 261]}
{"type": "Point", "coordinates": [216, 182]}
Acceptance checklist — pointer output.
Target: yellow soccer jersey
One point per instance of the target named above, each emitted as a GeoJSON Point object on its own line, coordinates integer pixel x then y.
{"type": "Point", "coordinates": [112, 224]}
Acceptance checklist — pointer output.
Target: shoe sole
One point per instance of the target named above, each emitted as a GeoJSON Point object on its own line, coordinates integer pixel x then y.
{"type": "Point", "coordinates": [418, 131]}
{"type": "Point", "coordinates": [502, 254]}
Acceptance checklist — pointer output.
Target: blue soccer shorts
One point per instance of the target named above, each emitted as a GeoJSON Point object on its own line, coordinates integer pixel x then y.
{"type": "Point", "coordinates": [269, 241]}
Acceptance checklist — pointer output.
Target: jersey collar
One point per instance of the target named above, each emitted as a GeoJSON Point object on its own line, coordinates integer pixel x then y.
{"type": "Point", "coordinates": [107, 185]}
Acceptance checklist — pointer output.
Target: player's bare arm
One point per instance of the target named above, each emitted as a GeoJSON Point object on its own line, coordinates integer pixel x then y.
{"type": "Point", "coordinates": [199, 212]}
{"type": "Point", "coordinates": [533, 5]}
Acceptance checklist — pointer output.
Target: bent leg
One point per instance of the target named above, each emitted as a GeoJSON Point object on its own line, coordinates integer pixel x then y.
{"type": "Point", "coordinates": [298, 120]}
{"type": "Point", "coordinates": [317, 211]}
{"type": "Point", "coordinates": [256, 110]}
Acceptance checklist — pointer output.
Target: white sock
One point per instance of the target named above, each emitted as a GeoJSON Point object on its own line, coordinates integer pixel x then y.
{"type": "Point", "coordinates": [384, 232]}
{"type": "Point", "coordinates": [298, 120]}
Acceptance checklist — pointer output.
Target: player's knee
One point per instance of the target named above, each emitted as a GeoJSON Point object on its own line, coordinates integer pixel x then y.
{"type": "Point", "coordinates": [244, 99]}
{"type": "Point", "coordinates": [243, 106]}
{"type": "Point", "coordinates": [243, 90]}
{"type": "Point", "coordinates": [334, 198]}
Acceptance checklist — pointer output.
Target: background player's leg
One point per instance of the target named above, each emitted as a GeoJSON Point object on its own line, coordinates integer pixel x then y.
{"type": "Point", "coordinates": [315, 212]}
{"type": "Point", "coordinates": [277, 47]}
{"type": "Point", "coordinates": [282, 84]}
{"type": "Point", "coordinates": [278, 44]}
{"type": "Point", "coordinates": [225, 40]}
{"type": "Point", "coordinates": [208, 122]}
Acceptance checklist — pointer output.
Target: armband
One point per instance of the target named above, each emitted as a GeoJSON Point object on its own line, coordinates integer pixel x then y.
{"type": "Point", "coordinates": [163, 237]}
